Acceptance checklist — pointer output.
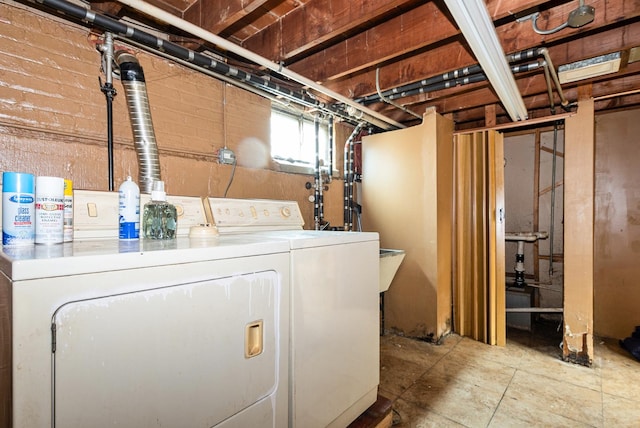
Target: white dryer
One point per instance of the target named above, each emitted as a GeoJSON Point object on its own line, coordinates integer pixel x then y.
{"type": "Point", "coordinates": [186, 332]}
{"type": "Point", "coordinates": [334, 355]}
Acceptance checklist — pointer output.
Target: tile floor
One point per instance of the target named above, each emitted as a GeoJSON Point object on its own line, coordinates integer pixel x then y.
{"type": "Point", "coordinates": [464, 383]}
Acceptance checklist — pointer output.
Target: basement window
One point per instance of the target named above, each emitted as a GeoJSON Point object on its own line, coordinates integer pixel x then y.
{"type": "Point", "coordinates": [293, 142]}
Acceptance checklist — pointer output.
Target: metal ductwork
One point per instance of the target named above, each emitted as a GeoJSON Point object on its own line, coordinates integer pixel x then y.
{"type": "Point", "coordinates": [144, 138]}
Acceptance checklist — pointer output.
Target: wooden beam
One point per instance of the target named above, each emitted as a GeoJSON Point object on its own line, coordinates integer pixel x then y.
{"type": "Point", "coordinates": [548, 150]}
{"type": "Point", "coordinates": [469, 105]}
{"type": "Point", "coordinates": [522, 123]}
{"type": "Point", "coordinates": [423, 26]}
{"type": "Point", "coordinates": [453, 55]}
{"type": "Point", "coordinates": [579, 201]}
{"type": "Point", "coordinates": [614, 85]}
{"type": "Point", "coordinates": [108, 8]}
{"type": "Point", "coordinates": [218, 17]}
{"type": "Point", "coordinates": [557, 258]}
{"type": "Point", "coordinates": [295, 34]}
{"type": "Point", "coordinates": [585, 91]}
{"type": "Point", "coordinates": [229, 20]}
{"type": "Point", "coordinates": [426, 27]}
{"type": "Point", "coordinates": [550, 188]}
{"type": "Point", "coordinates": [319, 22]}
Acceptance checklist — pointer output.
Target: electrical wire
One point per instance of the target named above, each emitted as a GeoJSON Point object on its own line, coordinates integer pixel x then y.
{"type": "Point", "coordinates": [233, 172]}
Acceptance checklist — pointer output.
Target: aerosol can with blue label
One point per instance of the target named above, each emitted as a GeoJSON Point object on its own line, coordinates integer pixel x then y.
{"type": "Point", "coordinates": [18, 209]}
{"type": "Point", "coordinates": [129, 210]}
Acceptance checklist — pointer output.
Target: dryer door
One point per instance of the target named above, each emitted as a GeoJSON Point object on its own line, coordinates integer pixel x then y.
{"type": "Point", "coordinates": [171, 356]}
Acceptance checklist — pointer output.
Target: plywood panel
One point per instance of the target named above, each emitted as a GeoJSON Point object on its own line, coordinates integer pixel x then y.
{"type": "Point", "coordinates": [407, 198]}
{"type": "Point", "coordinates": [617, 224]}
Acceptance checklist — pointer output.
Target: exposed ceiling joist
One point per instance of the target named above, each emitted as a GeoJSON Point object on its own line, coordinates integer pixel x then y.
{"type": "Point", "coordinates": [341, 44]}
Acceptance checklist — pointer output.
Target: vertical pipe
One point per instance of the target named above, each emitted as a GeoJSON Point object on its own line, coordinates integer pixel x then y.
{"type": "Point", "coordinates": [547, 77]}
{"type": "Point", "coordinates": [318, 191]}
{"type": "Point", "coordinates": [330, 131]}
{"type": "Point", "coordinates": [110, 137]}
{"type": "Point", "coordinates": [350, 184]}
{"type": "Point", "coordinates": [553, 196]}
{"type": "Point", "coordinates": [109, 93]}
{"type": "Point", "coordinates": [347, 174]}
{"type": "Point", "coordinates": [554, 76]}
{"type": "Point", "coordinates": [345, 177]}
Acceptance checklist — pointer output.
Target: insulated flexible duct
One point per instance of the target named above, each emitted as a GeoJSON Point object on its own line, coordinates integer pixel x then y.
{"type": "Point", "coordinates": [144, 139]}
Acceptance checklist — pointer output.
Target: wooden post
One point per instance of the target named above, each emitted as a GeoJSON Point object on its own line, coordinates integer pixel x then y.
{"type": "Point", "coordinates": [490, 115]}
{"type": "Point", "coordinates": [578, 234]}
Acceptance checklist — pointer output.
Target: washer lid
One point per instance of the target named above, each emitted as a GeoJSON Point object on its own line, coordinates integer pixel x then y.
{"type": "Point", "coordinates": [299, 239]}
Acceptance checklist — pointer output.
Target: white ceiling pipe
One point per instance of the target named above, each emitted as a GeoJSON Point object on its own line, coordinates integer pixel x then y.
{"type": "Point", "coordinates": [247, 54]}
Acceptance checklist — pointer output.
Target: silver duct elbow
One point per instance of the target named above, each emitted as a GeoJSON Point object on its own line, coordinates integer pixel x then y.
{"type": "Point", "coordinates": [144, 138]}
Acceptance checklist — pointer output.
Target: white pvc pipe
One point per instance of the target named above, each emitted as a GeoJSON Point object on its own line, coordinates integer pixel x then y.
{"type": "Point", "coordinates": [247, 54]}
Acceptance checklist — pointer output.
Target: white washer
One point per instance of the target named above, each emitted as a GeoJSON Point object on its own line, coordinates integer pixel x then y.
{"type": "Point", "coordinates": [155, 333]}
{"type": "Point", "coordinates": [334, 355]}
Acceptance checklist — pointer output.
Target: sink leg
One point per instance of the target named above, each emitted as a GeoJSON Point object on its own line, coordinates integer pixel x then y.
{"type": "Point", "coordinates": [520, 265]}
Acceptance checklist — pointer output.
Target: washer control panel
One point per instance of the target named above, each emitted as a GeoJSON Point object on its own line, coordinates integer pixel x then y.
{"type": "Point", "coordinates": [244, 215]}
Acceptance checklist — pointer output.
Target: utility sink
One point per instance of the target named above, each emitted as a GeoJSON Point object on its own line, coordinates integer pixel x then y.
{"type": "Point", "coordinates": [389, 263]}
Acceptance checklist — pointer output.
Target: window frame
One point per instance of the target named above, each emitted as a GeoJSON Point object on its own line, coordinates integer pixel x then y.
{"type": "Point", "coordinates": [302, 166]}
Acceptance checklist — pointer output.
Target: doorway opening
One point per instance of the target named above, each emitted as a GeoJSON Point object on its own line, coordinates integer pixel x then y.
{"type": "Point", "coordinates": [534, 220]}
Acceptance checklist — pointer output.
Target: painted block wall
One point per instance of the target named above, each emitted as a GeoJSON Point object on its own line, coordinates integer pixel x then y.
{"type": "Point", "coordinates": [53, 119]}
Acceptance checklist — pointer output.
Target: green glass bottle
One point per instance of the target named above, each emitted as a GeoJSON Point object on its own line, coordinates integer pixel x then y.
{"type": "Point", "coordinates": [160, 218]}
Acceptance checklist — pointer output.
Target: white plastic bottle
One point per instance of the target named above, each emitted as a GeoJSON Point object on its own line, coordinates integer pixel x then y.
{"type": "Point", "coordinates": [129, 210]}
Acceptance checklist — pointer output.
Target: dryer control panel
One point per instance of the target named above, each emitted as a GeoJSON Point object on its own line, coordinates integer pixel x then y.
{"type": "Point", "coordinates": [246, 215]}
